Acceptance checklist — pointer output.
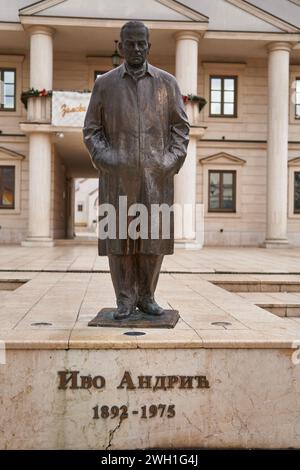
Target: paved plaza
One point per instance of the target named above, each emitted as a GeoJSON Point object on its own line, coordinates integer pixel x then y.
{"type": "Point", "coordinates": [227, 298]}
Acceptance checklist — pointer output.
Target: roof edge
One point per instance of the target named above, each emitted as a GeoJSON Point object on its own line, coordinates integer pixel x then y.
{"type": "Point", "coordinates": [264, 15]}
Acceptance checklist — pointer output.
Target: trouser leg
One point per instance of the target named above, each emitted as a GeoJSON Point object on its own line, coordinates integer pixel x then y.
{"type": "Point", "coordinates": [123, 275]}
{"type": "Point", "coordinates": [148, 269]}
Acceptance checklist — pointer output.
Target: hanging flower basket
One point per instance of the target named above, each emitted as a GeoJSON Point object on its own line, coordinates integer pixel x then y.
{"type": "Point", "coordinates": [195, 99]}
{"type": "Point", "coordinates": [34, 93]}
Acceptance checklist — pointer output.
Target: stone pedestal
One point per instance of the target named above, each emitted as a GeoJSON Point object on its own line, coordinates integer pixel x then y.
{"type": "Point", "coordinates": [149, 398]}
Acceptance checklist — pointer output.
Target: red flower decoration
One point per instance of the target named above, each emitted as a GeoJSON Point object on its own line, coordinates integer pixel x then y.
{"type": "Point", "coordinates": [196, 99]}
{"type": "Point", "coordinates": [25, 95]}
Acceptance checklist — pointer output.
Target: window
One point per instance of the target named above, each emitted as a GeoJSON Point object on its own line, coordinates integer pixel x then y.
{"type": "Point", "coordinates": [222, 191]}
{"type": "Point", "coordinates": [223, 96]}
{"type": "Point", "coordinates": [7, 187]}
{"type": "Point", "coordinates": [297, 99]}
{"type": "Point", "coordinates": [8, 89]}
{"type": "Point", "coordinates": [80, 208]}
{"type": "Point", "coordinates": [297, 192]}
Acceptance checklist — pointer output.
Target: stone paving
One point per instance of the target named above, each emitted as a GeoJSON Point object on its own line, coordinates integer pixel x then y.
{"type": "Point", "coordinates": [67, 285]}
{"type": "Point", "coordinates": [207, 260]}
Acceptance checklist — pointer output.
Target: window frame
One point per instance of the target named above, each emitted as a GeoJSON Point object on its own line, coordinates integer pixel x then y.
{"type": "Point", "coordinates": [297, 79]}
{"type": "Point", "coordinates": [294, 75]}
{"type": "Point", "coordinates": [12, 207]}
{"type": "Point", "coordinates": [15, 62]}
{"type": "Point", "coordinates": [6, 160]}
{"type": "Point", "coordinates": [295, 211]}
{"type": "Point", "coordinates": [234, 191]}
{"type": "Point", "coordinates": [235, 103]}
{"type": "Point", "coordinates": [9, 69]}
{"type": "Point", "coordinates": [293, 167]}
{"type": "Point", "coordinates": [237, 69]}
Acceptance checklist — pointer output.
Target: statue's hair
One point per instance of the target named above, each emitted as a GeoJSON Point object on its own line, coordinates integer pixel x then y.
{"type": "Point", "coordinates": [133, 24]}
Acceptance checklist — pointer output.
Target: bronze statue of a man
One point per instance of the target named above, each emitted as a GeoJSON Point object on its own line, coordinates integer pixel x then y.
{"type": "Point", "coordinates": [136, 131]}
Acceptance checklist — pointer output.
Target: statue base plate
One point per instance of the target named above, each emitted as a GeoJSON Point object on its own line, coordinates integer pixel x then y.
{"type": "Point", "coordinates": [138, 319]}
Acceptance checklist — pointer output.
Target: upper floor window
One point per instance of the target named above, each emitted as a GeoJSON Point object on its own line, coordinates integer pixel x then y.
{"type": "Point", "coordinates": [297, 98]}
{"type": "Point", "coordinates": [223, 96]}
{"type": "Point", "coordinates": [7, 187]}
{"type": "Point", "coordinates": [297, 192]}
{"type": "Point", "coordinates": [222, 191]}
{"type": "Point", "coordinates": [8, 89]}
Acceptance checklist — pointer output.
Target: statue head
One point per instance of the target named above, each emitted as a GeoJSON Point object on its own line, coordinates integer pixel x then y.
{"type": "Point", "coordinates": [134, 43]}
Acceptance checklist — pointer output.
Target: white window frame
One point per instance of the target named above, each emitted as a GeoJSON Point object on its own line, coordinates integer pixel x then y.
{"type": "Point", "coordinates": [14, 62]}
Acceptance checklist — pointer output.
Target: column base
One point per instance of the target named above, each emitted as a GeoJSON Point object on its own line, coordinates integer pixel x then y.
{"type": "Point", "coordinates": [276, 243]}
{"type": "Point", "coordinates": [188, 244]}
{"type": "Point", "coordinates": [38, 242]}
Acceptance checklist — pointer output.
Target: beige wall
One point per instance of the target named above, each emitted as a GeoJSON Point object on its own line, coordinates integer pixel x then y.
{"type": "Point", "coordinates": [9, 121]}
{"type": "Point", "coordinates": [293, 219]}
{"type": "Point", "coordinates": [14, 225]}
{"type": "Point", "coordinates": [75, 72]}
{"type": "Point", "coordinates": [247, 226]}
{"type": "Point", "coordinates": [58, 196]}
{"type": "Point", "coordinates": [70, 72]}
{"type": "Point", "coordinates": [251, 121]}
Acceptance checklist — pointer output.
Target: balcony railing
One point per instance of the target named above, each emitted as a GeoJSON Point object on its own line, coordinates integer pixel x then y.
{"type": "Point", "coordinates": [62, 109]}
{"type": "Point", "coordinates": [68, 109]}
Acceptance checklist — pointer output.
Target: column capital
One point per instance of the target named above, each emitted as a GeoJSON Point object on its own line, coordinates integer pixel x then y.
{"type": "Point", "coordinates": [37, 29]}
{"type": "Point", "coordinates": [192, 35]}
{"type": "Point", "coordinates": [279, 46]}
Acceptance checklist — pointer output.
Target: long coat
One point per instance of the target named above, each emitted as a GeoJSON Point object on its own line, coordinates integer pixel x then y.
{"type": "Point", "coordinates": [136, 132]}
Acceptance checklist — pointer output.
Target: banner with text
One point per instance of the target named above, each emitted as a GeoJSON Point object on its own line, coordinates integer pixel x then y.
{"type": "Point", "coordinates": [69, 108]}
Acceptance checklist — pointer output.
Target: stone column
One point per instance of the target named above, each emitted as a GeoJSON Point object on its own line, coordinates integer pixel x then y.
{"type": "Point", "coordinates": [41, 57]}
{"type": "Point", "coordinates": [277, 146]}
{"type": "Point", "coordinates": [39, 230]}
{"type": "Point", "coordinates": [185, 181]}
{"type": "Point", "coordinates": [41, 76]}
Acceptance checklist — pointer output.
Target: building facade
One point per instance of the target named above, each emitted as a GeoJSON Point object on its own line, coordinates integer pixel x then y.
{"type": "Point", "coordinates": [241, 178]}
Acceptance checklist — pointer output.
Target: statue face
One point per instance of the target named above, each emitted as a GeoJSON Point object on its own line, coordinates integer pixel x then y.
{"type": "Point", "coordinates": [134, 46]}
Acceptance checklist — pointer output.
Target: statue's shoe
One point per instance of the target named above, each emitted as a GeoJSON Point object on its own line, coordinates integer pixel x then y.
{"type": "Point", "coordinates": [150, 307]}
{"type": "Point", "coordinates": [122, 312]}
